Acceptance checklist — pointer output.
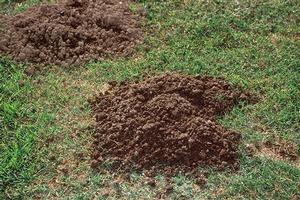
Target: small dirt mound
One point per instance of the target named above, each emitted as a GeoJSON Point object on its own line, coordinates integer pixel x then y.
{"type": "Point", "coordinates": [166, 123]}
{"type": "Point", "coordinates": [71, 32]}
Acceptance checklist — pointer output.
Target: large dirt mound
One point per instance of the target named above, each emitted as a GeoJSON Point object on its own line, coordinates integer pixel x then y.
{"type": "Point", "coordinates": [166, 123]}
{"type": "Point", "coordinates": [71, 32]}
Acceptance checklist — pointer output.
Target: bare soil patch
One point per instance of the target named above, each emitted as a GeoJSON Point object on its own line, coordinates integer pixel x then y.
{"type": "Point", "coordinates": [282, 149]}
{"type": "Point", "coordinates": [71, 32]}
{"type": "Point", "coordinates": [166, 123]}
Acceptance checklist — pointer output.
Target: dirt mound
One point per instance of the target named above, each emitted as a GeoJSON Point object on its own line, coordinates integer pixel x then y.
{"type": "Point", "coordinates": [166, 123]}
{"type": "Point", "coordinates": [71, 32]}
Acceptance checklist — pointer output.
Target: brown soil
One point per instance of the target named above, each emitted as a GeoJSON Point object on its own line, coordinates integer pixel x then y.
{"type": "Point", "coordinates": [282, 148]}
{"type": "Point", "coordinates": [71, 32]}
{"type": "Point", "coordinates": [166, 123]}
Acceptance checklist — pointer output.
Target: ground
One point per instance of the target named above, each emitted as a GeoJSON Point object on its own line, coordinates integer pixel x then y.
{"type": "Point", "coordinates": [46, 121]}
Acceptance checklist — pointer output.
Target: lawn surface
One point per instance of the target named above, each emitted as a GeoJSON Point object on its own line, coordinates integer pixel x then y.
{"type": "Point", "coordinates": [46, 124]}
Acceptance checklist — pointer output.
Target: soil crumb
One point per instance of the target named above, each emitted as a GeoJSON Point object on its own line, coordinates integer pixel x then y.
{"type": "Point", "coordinates": [166, 124]}
{"type": "Point", "coordinates": [71, 32]}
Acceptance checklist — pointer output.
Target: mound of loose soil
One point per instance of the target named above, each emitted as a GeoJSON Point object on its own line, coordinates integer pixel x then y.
{"type": "Point", "coordinates": [71, 32]}
{"type": "Point", "coordinates": [166, 123]}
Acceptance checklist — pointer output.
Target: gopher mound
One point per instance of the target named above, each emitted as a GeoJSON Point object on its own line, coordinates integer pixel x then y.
{"type": "Point", "coordinates": [166, 123]}
{"type": "Point", "coordinates": [71, 32]}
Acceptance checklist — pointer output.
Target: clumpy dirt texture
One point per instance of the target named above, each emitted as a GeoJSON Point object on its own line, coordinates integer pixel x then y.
{"type": "Point", "coordinates": [166, 123]}
{"type": "Point", "coordinates": [71, 32]}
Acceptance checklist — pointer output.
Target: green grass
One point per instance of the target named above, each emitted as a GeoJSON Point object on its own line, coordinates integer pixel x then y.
{"type": "Point", "coordinates": [254, 44]}
{"type": "Point", "coordinates": [20, 124]}
{"type": "Point", "coordinates": [17, 6]}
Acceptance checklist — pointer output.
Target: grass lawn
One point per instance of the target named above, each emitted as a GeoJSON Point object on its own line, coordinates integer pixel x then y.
{"type": "Point", "coordinates": [46, 123]}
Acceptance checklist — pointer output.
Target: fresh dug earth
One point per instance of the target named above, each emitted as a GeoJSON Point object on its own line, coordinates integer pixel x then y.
{"type": "Point", "coordinates": [166, 123]}
{"type": "Point", "coordinates": [71, 32]}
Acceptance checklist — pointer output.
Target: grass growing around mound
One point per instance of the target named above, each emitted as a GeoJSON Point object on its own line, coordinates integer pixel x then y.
{"type": "Point", "coordinates": [17, 6]}
{"type": "Point", "coordinates": [46, 124]}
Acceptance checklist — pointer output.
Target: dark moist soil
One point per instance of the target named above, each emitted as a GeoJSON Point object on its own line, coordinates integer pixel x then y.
{"type": "Point", "coordinates": [71, 32]}
{"type": "Point", "coordinates": [166, 123]}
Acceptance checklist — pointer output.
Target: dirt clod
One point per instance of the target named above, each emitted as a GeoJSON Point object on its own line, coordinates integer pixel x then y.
{"type": "Point", "coordinates": [29, 71]}
{"type": "Point", "coordinates": [52, 158]}
{"type": "Point", "coordinates": [71, 32]}
{"type": "Point", "coordinates": [166, 123]}
{"type": "Point", "coordinates": [151, 182]}
{"type": "Point", "coordinates": [200, 180]}
{"type": "Point", "coordinates": [65, 170]}
{"type": "Point", "coordinates": [169, 189]}
{"type": "Point", "coordinates": [251, 150]}
{"type": "Point", "coordinates": [21, 83]}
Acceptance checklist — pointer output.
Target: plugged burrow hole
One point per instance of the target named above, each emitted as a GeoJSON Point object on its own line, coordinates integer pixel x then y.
{"type": "Point", "coordinates": [72, 32]}
{"type": "Point", "coordinates": [166, 124]}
